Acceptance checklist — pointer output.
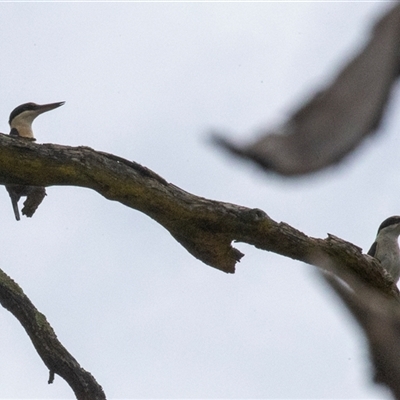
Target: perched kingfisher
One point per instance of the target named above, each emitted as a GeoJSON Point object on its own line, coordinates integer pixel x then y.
{"type": "Point", "coordinates": [386, 246]}
{"type": "Point", "coordinates": [20, 121]}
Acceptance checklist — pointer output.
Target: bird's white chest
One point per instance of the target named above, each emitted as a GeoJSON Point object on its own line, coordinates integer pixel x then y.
{"type": "Point", "coordinates": [23, 124]}
{"type": "Point", "coordinates": [25, 131]}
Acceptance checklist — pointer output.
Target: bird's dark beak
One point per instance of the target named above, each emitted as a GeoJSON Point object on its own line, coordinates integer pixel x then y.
{"type": "Point", "coordinates": [47, 107]}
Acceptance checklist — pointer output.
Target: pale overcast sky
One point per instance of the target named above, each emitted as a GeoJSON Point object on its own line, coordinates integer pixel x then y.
{"type": "Point", "coordinates": [147, 81]}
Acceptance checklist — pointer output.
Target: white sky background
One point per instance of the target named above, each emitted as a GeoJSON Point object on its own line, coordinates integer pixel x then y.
{"type": "Point", "coordinates": [147, 81]}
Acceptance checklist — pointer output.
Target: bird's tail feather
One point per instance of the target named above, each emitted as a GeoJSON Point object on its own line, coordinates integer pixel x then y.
{"type": "Point", "coordinates": [15, 207]}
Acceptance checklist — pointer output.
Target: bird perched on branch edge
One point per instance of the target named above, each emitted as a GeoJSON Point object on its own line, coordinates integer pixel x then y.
{"type": "Point", "coordinates": [21, 119]}
{"type": "Point", "coordinates": [386, 246]}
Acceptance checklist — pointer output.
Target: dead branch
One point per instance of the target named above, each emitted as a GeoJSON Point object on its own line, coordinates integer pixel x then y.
{"type": "Point", "coordinates": [55, 356]}
{"type": "Point", "coordinates": [206, 228]}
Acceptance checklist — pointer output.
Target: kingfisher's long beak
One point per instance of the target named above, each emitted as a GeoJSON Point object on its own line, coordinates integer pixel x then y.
{"type": "Point", "coordinates": [47, 107]}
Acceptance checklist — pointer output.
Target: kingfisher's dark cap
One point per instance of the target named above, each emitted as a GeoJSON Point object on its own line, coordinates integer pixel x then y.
{"type": "Point", "coordinates": [389, 221]}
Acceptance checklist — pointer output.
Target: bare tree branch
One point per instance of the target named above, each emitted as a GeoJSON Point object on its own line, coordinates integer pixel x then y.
{"type": "Point", "coordinates": [206, 228]}
{"type": "Point", "coordinates": [55, 356]}
{"type": "Point", "coordinates": [335, 120]}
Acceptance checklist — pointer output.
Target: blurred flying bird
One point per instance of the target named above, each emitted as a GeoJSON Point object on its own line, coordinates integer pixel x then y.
{"type": "Point", "coordinates": [333, 122]}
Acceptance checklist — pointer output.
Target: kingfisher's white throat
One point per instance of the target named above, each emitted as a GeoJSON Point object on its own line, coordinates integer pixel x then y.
{"type": "Point", "coordinates": [23, 123]}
